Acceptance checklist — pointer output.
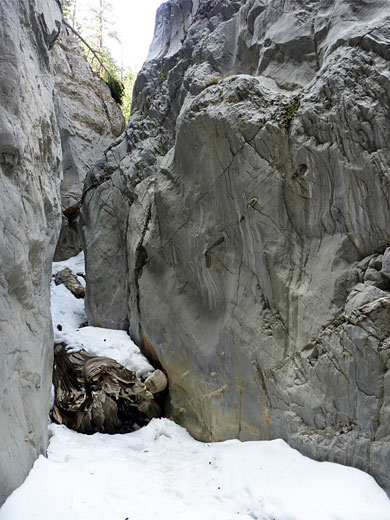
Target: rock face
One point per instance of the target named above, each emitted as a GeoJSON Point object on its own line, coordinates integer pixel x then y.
{"type": "Point", "coordinates": [56, 117]}
{"type": "Point", "coordinates": [30, 170]}
{"type": "Point", "coordinates": [89, 121]}
{"type": "Point", "coordinates": [240, 227]}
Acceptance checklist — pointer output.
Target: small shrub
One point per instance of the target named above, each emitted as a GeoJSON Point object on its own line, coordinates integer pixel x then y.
{"type": "Point", "coordinates": [287, 113]}
{"type": "Point", "coordinates": [117, 89]}
{"type": "Point", "coordinates": [65, 48]}
{"type": "Point", "coordinates": [163, 76]}
{"type": "Point", "coordinates": [212, 81]}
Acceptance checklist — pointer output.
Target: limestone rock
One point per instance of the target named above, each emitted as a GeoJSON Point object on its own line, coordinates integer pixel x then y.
{"type": "Point", "coordinates": [71, 282]}
{"type": "Point", "coordinates": [156, 382]}
{"type": "Point", "coordinates": [246, 201]}
{"type": "Point", "coordinates": [30, 170]}
{"type": "Point", "coordinates": [89, 121]}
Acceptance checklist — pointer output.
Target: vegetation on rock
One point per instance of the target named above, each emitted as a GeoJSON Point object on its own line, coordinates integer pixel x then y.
{"type": "Point", "coordinates": [92, 23]}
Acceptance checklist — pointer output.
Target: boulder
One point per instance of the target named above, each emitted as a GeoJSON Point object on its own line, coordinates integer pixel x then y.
{"type": "Point", "coordinates": [71, 282]}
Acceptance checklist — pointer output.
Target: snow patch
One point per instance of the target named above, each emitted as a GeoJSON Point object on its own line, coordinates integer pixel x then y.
{"type": "Point", "coordinates": [160, 472]}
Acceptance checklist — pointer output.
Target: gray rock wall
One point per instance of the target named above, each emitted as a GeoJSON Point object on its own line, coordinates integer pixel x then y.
{"type": "Point", "coordinates": [89, 121]}
{"type": "Point", "coordinates": [240, 226]}
{"type": "Point", "coordinates": [30, 170]}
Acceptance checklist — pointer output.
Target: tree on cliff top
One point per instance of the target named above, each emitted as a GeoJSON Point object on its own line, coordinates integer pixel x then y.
{"type": "Point", "coordinates": [94, 21]}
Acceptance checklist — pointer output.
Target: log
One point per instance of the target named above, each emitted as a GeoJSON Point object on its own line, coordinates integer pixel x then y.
{"type": "Point", "coordinates": [98, 394]}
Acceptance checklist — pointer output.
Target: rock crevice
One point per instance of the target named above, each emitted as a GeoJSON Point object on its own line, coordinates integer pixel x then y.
{"type": "Point", "coordinates": [265, 125]}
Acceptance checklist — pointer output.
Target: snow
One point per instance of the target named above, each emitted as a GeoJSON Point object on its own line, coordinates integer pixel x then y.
{"type": "Point", "coordinates": [68, 311]}
{"type": "Point", "coordinates": [161, 471]}
{"type": "Point", "coordinates": [76, 264]}
{"type": "Point", "coordinates": [115, 344]}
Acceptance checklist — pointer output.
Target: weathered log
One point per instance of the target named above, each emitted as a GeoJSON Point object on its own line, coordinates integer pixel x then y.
{"type": "Point", "coordinates": [98, 394]}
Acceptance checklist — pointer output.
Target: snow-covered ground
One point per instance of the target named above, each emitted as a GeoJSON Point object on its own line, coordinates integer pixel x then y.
{"type": "Point", "coordinates": [160, 472]}
{"type": "Point", "coordinates": [68, 312]}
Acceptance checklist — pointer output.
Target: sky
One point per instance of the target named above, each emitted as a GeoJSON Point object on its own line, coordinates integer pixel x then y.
{"type": "Point", "coordinates": [134, 20]}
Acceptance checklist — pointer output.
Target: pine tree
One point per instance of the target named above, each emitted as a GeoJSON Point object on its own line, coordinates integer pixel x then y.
{"type": "Point", "coordinates": [70, 10]}
{"type": "Point", "coordinates": [94, 22]}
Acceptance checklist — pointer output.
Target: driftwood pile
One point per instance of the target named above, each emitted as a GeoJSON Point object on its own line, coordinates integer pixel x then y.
{"type": "Point", "coordinates": [97, 394]}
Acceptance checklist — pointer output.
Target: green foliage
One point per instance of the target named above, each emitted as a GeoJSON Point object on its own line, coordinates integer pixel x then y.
{"type": "Point", "coordinates": [93, 21]}
{"type": "Point", "coordinates": [65, 47]}
{"type": "Point", "coordinates": [163, 76]}
{"type": "Point", "coordinates": [117, 89]}
{"type": "Point", "coordinates": [128, 93]}
{"type": "Point", "coordinates": [69, 8]}
{"type": "Point", "coordinates": [212, 81]}
{"type": "Point", "coordinates": [287, 113]}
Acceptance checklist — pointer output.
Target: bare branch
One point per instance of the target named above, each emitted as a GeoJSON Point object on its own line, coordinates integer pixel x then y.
{"type": "Point", "coordinates": [88, 46]}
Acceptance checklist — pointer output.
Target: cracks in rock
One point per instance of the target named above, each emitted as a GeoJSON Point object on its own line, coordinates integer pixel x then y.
{"type": "Point", "coordinates": [239, 277]}
{"type": "Point", "coordinates": [354, 318]}
{"type": "Point", "coordinates": [97, 182]}
{"type": "Point", "coordinates": [261, 380]}
{"type": "Point", "coordinates": [141, 258]}
{"type": "Point", "coordinates": [207, 252]}
{"type": "Point", "coordinates": [315, 45]}
{"type": "Point", "coordinates": [205, 193]}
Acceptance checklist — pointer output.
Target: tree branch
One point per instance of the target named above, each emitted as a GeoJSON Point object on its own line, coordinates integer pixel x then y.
{"type": "Point", "coordinates": [88, 46]}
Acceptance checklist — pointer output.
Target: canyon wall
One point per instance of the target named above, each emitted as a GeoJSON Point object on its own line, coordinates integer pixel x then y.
{"type": "Point", "coordinates": [56, 119]}
{"type": "Point", "coordinates": [89, 120]}
{"type": "Point", "coordinates": [30, 172]}
{"type": "Point", "coordinates": [240, 227]}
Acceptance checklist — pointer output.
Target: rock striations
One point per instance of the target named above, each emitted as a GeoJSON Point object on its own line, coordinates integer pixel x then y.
{"type": "Point", "coordinates": [30, 171]}
{"type": "Point", "coordinates": [89, 121]}
{"type": "Point", "coordinates": [240, 227]}
{"type": "Point", "coordinates": [46, 92]}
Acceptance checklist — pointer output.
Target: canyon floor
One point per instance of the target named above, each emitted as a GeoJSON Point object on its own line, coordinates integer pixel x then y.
{"type": "Point", "coordinates": [161, 471]}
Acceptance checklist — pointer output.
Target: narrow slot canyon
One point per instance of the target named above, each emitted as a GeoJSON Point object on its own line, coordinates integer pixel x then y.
{"type": "Point", "coordinates": [195, 260]}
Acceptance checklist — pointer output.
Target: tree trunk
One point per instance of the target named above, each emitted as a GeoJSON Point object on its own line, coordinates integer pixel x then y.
{"type": "Point", "coordinates": [97, 394]}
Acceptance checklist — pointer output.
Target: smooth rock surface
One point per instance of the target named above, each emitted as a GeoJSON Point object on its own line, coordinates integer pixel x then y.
{"type": "Point", "coordinates": [239, 213]}
{"type": "Point", "coordinates": [89, 121]}
{"type": "Point", "coordinates": [30, 171]}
